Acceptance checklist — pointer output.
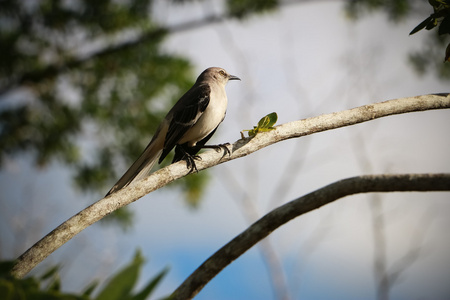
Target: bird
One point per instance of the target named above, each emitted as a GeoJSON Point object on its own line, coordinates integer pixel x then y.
{"type": "Point", "coordinates": [187, 127]}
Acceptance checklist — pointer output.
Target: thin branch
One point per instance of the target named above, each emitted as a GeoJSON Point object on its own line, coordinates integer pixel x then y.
{"type": "Point", "coordinates": [67, 230]}
{"type": "Point", "coordinates": [280, 216]}
{"type": "Point", "coordinates": [250, 213]}
{"type": "Point", "coordinates": [380, 256]}
{"type": "Point", "coordinates": [414, 253]}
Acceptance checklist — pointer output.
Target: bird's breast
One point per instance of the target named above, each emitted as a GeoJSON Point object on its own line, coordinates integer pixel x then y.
{"type": "Point", "coordinates": [209, 119]}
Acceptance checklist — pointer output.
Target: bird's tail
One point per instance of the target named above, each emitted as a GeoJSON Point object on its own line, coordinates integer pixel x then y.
{"type": "Point", "coordinates": [141, 167]}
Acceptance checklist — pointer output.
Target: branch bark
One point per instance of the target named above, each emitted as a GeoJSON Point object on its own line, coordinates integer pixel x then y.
{"type": "Point", "coordinates": [67, 230]}
{"type": "Point", "coordinates": [276, 218]}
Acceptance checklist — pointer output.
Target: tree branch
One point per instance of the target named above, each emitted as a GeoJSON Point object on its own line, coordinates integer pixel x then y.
{"type": "Point", "coordinates": [67, 230]}
{"type": "Point", "coordinates": [276, 218]}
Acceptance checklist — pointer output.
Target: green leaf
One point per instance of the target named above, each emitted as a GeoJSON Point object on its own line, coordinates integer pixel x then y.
{"type": "Point", "coordinates": [445, 26]}
{"type": "Point", "coordinates": [148, 289]}
{"type": "Point", "coordinates": [422, 25]}
{"type": "Point", "coordinates": [90, 288]}
{"type": "Point", "coordinates": [193, 188]}
{"type": "Point", "coordinates": [268, 121]}
{"type": "Point", "coordinates": [437, 4]}
{"type": "Point", "coordinates": [119, 287]}
{"type": "Point", "coordinates": [50, 273]}
{"type": "Point", "coordinates": [122, 217]}
{"type": "Point", "coordinates": [433, 23]}
{"type": "Point", "coordinates": [7, 289]}
{"type": "Point", "coordinates": [55, 284]}
{"type": "Point", "coordinates": [265, 124]}
{"type": "Point", "coordinates": [5, 267]}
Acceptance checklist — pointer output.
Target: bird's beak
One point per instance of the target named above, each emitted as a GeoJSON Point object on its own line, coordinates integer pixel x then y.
{"type": "Point", "coordinates": [232, 77]}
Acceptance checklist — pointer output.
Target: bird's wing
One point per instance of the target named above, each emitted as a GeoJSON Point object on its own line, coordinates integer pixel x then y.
{"type": "Point", "coordinates": [180, 118]}
{"type": "Point", "coordinates": [185, 114]}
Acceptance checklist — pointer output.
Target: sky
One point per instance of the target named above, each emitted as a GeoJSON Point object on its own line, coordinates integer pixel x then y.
{"type": "Point", "coordinates": [301, 61]}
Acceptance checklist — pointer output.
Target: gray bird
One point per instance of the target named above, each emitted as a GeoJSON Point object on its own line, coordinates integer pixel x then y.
{"type": "Point", "coordinates": [187, 126]}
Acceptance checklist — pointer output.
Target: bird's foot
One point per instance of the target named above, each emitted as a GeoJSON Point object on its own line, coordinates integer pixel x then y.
{"type": "Point", "coordinates": [223, 147]}
{"type": "Point", "coordinates": [190, 162]}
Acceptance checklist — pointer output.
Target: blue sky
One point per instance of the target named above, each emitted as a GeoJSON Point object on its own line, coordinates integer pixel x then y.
{"type": "Point", "coordinates": [301, 61]}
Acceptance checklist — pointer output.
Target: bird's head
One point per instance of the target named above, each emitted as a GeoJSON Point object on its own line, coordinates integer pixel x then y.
{"type": "Point", "coordinates": [216, 74]}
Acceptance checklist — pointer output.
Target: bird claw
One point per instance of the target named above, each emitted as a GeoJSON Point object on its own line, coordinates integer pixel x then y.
{"type": "Point", "coordinates": [190, 163]}
{"type": "Point", "coordinates": [223, 147]}
{"type": "Point", "coordinates": [190, 159]}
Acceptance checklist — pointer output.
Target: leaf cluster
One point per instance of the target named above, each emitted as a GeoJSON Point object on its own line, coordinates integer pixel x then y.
{"type": "Point", "coordinates": [48, 286]}
{"type": "Point", "coordinates": [265, 124]}
{"type": "Point", "coordinates": [441, 17]}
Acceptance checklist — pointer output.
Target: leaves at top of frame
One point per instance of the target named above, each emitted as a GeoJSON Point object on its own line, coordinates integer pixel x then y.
{"type": "Point", "coordinates": [440, 15]}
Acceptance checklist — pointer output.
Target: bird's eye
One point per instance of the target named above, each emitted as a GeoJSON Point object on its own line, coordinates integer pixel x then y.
{"type": "Point", "coordinates": [221, 72]}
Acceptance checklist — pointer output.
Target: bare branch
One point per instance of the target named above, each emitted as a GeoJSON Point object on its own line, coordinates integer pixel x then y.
{"type": "Point", "coordinates": [67, 230]}
{"type": "Point", "coordinates": [276, 218]}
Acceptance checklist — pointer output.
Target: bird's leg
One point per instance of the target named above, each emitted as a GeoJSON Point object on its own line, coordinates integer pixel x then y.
{"type": "Point", "coordinates": [190, 162]}
{"type": "Point", "coordinates": [182, 152]}
{"type": "Point", "coordinates": [219, 147]}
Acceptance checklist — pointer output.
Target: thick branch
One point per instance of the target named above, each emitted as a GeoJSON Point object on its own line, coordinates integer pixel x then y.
{"type": "Point", "coordinates": [276, 218]}
{"type": "Point", "coordinates": [66, 231]}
